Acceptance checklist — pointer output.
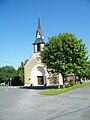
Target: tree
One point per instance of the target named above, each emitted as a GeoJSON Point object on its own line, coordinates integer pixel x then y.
{"type": "Point", "coordinates": [17, 76]}
{"type": "Point", "coordinates": [65, 54]}
{"type": "Point", "coordinates": [20, 72]}
{"type": "Point", "coordinates": [87, 70]}
{"type": "Point", "coordinates": [6, 73]}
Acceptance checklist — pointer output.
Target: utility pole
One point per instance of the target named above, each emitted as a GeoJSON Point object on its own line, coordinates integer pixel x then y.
{"type": "Point", "coordinates": [10, 81]}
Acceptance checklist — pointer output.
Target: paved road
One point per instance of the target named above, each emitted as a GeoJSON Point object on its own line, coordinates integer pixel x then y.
{"type": "Point", "coordinates": [27, 104]}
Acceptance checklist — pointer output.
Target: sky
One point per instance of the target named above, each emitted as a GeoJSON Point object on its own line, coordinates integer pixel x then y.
{"type": "Point", "coordinates": [19, 19]}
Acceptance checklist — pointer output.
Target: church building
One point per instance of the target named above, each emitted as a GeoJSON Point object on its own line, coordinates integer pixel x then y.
{"type": "Point", "coordinates": [35, 72]}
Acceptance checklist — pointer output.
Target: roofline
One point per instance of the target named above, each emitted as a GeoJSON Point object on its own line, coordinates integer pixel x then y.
{"type": "Point", "coordinates": [38, 43]}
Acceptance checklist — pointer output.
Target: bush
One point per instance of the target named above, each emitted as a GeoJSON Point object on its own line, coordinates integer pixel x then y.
{"type": "Point", "coordinates": [69, 83]}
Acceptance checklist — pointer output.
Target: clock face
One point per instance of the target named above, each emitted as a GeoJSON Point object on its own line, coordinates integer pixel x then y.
{"type": "Point", "coordinates": [38, 36]}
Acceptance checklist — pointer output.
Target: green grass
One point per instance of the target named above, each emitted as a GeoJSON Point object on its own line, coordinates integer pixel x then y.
{"type": "Point", "coordinates": [52, 92]}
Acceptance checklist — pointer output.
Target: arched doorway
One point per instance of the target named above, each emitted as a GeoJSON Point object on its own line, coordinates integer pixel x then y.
{"type": "Point", "coordinates": [38, 75]}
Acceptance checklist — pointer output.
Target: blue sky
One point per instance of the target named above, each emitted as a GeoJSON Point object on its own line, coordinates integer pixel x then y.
{"type": "Point", "coordinates": [18, 24]}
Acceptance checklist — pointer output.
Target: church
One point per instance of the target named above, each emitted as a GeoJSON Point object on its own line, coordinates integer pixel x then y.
{"type": "Point", "coordinates": [35, 72]}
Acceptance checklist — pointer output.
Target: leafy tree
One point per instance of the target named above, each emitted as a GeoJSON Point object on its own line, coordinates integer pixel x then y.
{"type": "Point", "coordinates": [87, 70]}
{"type": "Point", "coordinates": [20, 72]}
{"type": "Point", "coordinates": [6, 73]}
{"type": "Point", "coordinates": [17, 76]}
{"type": "Point", "coordinates": [16, 81]}
{"type": "Point", "coordinates": [64, 54]}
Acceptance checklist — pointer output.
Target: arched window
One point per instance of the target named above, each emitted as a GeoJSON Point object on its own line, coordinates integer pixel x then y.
{"type": "Point", "coordinates": [38, 47]}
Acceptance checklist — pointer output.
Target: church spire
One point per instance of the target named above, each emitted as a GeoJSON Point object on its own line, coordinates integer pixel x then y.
{"type": "Point", "coordinates": [39, 24]}
{"type": "Point", "coordinates": [39, 42]}
{"type": "Point", "coordinates": [39, 33]}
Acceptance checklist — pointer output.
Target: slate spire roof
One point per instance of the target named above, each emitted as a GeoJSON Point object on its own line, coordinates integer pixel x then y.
{"type": "Point", "coordinates": [39, 33]}
{"type": "Point", "coordinates": [39, 24]}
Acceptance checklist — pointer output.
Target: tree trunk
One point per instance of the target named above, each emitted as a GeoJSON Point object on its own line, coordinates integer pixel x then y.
{"type": "Point", "coordinates": [60, 81]}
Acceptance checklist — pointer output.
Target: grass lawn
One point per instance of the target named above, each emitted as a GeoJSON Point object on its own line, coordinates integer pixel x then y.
{"type": "Point", "coordinates": [52, 92]}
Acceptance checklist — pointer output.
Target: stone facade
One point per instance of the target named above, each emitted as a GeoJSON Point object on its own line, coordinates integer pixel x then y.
{"type": "Point", "coordinates": [35, 71]}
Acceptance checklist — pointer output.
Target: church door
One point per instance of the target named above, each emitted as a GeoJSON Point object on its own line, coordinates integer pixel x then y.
{"type": "Point", "coordinates": [40, 80]}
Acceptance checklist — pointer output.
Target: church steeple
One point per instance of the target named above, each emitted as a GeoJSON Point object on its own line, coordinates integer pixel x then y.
{"type": "Point", "coordinates": [39, 24]}
{"type": "Point", "coordinates": [39, 42]}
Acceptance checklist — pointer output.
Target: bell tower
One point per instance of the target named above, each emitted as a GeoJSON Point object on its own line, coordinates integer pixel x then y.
{"type": "Point", "coordinates": [39, 42]}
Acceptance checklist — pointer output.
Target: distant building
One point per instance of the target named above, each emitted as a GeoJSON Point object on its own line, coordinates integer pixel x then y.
{"type": "Point", "coordinates": [70, 77]}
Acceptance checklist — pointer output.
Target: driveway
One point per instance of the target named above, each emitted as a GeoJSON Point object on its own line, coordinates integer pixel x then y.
{"type": "Point", "coordinates": [27, 104]}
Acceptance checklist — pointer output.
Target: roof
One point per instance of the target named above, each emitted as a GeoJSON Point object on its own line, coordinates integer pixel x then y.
{"type": "Point", "coordinates": [40, 33]}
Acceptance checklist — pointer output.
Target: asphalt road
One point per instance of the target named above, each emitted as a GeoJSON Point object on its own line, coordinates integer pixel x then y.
{"type": "Point", "coordinates": [27, 104]}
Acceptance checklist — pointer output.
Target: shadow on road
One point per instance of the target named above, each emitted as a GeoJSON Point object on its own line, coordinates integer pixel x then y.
{"type": "Point", "coordinates": [39, 87]}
